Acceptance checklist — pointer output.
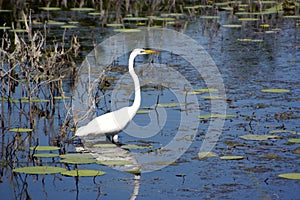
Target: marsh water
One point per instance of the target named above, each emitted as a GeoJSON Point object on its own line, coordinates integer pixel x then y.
{"type": "Point", "coordinates": [250, 58]}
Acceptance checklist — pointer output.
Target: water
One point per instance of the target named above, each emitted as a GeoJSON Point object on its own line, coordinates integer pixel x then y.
{"type": "Point", "coordinates": [246, 69]}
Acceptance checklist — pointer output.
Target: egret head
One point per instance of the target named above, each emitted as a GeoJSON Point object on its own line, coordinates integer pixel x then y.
{"type": "Point", "coordinates": [144, 51]}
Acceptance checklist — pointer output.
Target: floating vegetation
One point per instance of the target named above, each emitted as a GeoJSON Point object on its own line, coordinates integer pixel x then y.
{"type": "Point", "coordinates": [134, 146]}
{"type": "Point", "coordinates": [210, 17]}
{"type": "Point", "coordinates": [50, 8]}
{"type": "Point", "coordinates": [4, 27]}
{"type": "Point", "coordinates": [294, 140]}
{"type": "Point", "coordinates": [249, 40]}
{"type": "Point", "coordinates": [283, 131]}
{"type": "Point", "coordinates": [52, 22]}
{"type": "Point", "coordinates": [135, 170]}
{"type": "Point", "coordinates": [204, 90]}
{"type": "Point", "coordinates": [169, 105]}
{"type": "Point", "coordinates": [223, 116]}
{"type": "Point", "coordinates": [45, 155]}
{"type": "Point", "coordinates": [69, 26]}
{"type": "Point", "coordinates": [39, 170]}
{"type": "Point", "coordinates": [212, 97]}
{"type": "Point", "coordinates": [142, 112]}
{"type": "Point", "coordinates": [2, 11]}
{"type": "Point", "coordinates": [105, 145]}
{"type": "Point", "coordinates": [232, 157]}
{"type": "Point", "coordinates": [127, 30]}
{"type": "Point", "coordinates": [258, 137]}
{"type": "Point", "coordinates": [77, 159]}
{"type": "Point", "coordinates": [209, 154]}
{"type": "Point", "coordinates": [115, 162]}
{"type": "Point", "coordinates": [114, 25]}
{"type": "Point", "coordinates": [20, 130]}
{"type": "Point", "coordinates": [232, 25]}
{"type": "Point", "coordinates": [248, 19]}
{"type": "Point", "coordinates": [83, 9]}
{"type": "Point", "coordinates": [275, 90]}
{"type": "Point", "coordinates": [44, 148]}
{"type": "Point", "coordinates": [18, 30]}
{"type": "Point", "coordinates": [294, 176]}
{"type": "Point", "coordinates": [83, 172]}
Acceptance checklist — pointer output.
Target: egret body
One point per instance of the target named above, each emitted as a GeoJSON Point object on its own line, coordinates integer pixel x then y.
{"type": "Point", "coordinates": [111, 123]}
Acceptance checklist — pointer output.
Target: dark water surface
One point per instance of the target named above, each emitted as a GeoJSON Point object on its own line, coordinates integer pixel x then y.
{"type": "Point", "coordinates": [246, 68]}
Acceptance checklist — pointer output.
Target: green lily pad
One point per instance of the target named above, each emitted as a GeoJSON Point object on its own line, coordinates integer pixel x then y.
{"type": "Point", "coordinates": [115, 162]}
{"type": "Point", "coordinates": [258, 137]}
{"type": "Point", "coordinates": [232, 25]}
{"type": "Point", "coordinates": [39, 170]}
{"type": "Point", "coordinates": [294, 140]}
{"type": "Point", "coordinates": [210, 17]}
{"type": "Point", "coordinates": [135, 19]}
{"type": "Point", "coordinates": [209, 154]}
{"type": "Point", "coordinates": [83, 9]}
{"type": "Point", "coordinates": [50, 8]}
{"type": "Point", "coordinates": [169, 105]}
{"type": "Point", "coordinates": [83, 172]}
{"type": "Point", "coordinates": [248, 19]}
{"type": "Point", "coordinates": [20, 130]}
{"type": "Point", "coordinates": [283, 131]}
{"type": "Point", "coordinates": [44, 148]}
{"type": "Point", "coordinates": [249, 40]}
{"type": "Point", "coordinates": [77, 159]}
{"type": "Point", "coordinates": [127, 30]}
{"type": "Point", "coordinates": [142, 112]}
{"type": "Point", "coordinates": [114, 25]}
{"type": "Point", "coordinates": [134, 146]}
{"type": "Point", "coordinates": [276, 90]}
{"type": "Point", "coordinates": [105, 145]}
{"type": "Point", "coordinates": [45, 155]}
{"type": "Point", "coordinates": [222, 116]}
{"type": "Point", "coordinates": [232, 157]}
{"type": "Point", "coordinates": [294, 176]}
{"type": "Point", "coordinates": [69, 26]}
{"type": "Point", "coordinates": [211, 97]}
{"type": "Point", "coordinates": [52, 22]}
{"type": "Point", "coordinates": [135, 170]}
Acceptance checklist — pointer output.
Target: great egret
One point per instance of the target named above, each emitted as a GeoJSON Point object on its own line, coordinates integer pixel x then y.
{"type": "Point", "coordinates": [111, 123]}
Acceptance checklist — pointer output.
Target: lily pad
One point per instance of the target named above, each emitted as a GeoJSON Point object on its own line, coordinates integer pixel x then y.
{"type": "Point", "coordinates": [232, 157]}
{"type": "Point", "coordinates": [209, 154]}
{"type": "Point", "coordinates": [50, 8]}
{"type": "Point", "coordinates": [105, 145]}
{"type": "Point", "coordinates": [44, 148]}
{"type": "Point", "coordinates": [45, 155]}
{"type": "Point", "coordinates": [222, 116]}
{"type": "Point", "coordinates": [40, 170]}
{"type": "Point", "coordinates": [115, 162]}
{"type": "Point", "coordinates": [135, 170]}
{"type": "Point", "coordinates": [20, 130]}
{"type": "Point", "coordinates": [283, 131]}
{"type": "Point", "coordinates": [276, 90]}
{"type": "Point", "coordinates": [294, 176]}
{"type": "Point", "coordinates": [77, 159]}
{"type": "Point", "coordinates": [169, 105]}
{"type": "Point", "coordinates": [127, 30]}
{"type": "Point", "coordinates": [248, 19]}
{"type": "Point", "coordinates": [203, 90]}
{"type": "Point", "coordinates": [83, 172]}
{"type": "Point", "coordinates": [211, 97]}
{"type": "Point", "coordinates": [258, 137]}
{"type": "Point", "coordinates": [69, 26]}
{"type": "Point", "coordinates": [83, 9]}
{"type": "Point", "coordinates": [142, 112]}
{"type": "Point", "coordinates": [232, 25]}
{"type": "Point", "coordinates": [294, 140]}
{"type": "Point", "coordinates": [134, 146]}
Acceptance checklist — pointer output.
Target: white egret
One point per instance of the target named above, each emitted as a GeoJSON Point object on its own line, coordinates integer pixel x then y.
{"type": "Point", "coordinates": [111, 123]}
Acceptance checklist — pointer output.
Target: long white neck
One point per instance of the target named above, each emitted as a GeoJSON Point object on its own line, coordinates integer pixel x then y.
{"type": "Point", "coordinates": [137, 96]}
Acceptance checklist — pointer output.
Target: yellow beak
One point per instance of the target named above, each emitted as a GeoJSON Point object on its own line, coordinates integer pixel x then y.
{"type": "Point", "coordinates": [151, 52]}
